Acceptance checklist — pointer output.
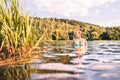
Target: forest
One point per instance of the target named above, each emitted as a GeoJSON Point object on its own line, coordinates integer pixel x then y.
{"type": "Point", "coordinates": [90, 31]}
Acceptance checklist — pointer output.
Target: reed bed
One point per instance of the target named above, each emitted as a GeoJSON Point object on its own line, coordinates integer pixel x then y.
{"type": "Point", "coordinates": [21, 34]}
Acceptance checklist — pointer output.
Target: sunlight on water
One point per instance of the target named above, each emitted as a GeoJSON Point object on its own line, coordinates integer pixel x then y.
{"type": "Point", "coordinates": [60, 63]}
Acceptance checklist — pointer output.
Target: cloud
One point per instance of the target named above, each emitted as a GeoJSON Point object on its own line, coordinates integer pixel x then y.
{"type": "Point", "coordinates": [114, 10]}
{"type": "Point", "coordinates": [69, 8]}
{"type": "Point", "coordinates": [106, 5]}
{"type": "Point", "coordinates": [97, 12]}
{"type": "Point", "coordinates": [111, 23]}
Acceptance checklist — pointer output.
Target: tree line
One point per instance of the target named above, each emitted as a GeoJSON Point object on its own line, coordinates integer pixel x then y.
{"type": "Point", "coordinates": [90, 31]}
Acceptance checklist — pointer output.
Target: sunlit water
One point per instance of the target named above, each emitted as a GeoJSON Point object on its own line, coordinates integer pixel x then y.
{"type": "Point", "coordinates": [60, 63]}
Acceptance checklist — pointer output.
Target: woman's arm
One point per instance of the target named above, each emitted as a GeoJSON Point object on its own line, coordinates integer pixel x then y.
{"type": "Point", "coordinates": [72, 44]}
{"type": "Point", "coordinates": [86, 45]}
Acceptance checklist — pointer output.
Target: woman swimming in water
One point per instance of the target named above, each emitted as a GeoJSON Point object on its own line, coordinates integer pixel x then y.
{"type": "Point", "coordinates": [79, 43]}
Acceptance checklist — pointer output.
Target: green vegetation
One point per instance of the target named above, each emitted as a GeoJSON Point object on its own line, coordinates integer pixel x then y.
{"type": "Point", "coordinates": [15, 29]}
{"type": "Point", "coordinates": [90, 31]}
{"type": "Point", "coordinates": [13, 73]}
{"type": "Point", "coordinates": [20, 33]}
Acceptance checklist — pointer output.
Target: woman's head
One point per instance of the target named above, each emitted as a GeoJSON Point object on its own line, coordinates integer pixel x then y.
{"type": "Point", "coordinates": [77, 33]}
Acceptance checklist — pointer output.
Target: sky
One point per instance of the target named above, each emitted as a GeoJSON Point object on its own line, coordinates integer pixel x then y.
{"type": "Point", "coordinates": [105, 13]}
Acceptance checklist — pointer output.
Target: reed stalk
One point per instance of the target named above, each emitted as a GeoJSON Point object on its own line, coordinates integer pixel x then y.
{"type": "Point", "coordinates": [20, 33]}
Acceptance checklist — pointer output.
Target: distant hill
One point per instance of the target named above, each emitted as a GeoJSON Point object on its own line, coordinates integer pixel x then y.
{"type": "Point", "coordinates": [90, 31]}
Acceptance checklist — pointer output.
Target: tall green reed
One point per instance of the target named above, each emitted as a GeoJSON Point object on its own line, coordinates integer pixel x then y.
{"type": "Point", "coordinates": [17, 30]}
{"type": "Point", "coordinates": [20, 33]}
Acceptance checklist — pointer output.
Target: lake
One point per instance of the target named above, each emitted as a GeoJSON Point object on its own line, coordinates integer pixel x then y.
{"type": "Point", "coordinates": [59, 62]}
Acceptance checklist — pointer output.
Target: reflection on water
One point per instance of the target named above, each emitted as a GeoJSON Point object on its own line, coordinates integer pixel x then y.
{"type": "Point", "coordinates": [60, 63]}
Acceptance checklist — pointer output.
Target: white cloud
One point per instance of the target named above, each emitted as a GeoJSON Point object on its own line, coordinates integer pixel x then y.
{"type": "Point", "coordinates": [106, 5]}
{"type": "Point", "coordinates": [114, 10]}
{"type": "Point", "coordinates": [97, 12]}
{"type": "Point", "coordinates": [69, 8]}
{"type": "Point", "coordinates": [111, 23]}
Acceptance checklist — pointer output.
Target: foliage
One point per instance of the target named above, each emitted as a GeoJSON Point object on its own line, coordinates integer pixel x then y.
{"type": "Point", "coordinates": [13, 73]}
{"type": "Point", "coordinates": [90, 31]}
{"type": "Point", "coordinates": [20, 33]}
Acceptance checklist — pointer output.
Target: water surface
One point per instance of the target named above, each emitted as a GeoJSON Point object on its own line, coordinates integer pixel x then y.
{"type": "Point", "coordinates": [59, 62]}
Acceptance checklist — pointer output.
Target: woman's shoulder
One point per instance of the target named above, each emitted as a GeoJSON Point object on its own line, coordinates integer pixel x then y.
{"type": "Point", "coordinates": [84, 39]}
